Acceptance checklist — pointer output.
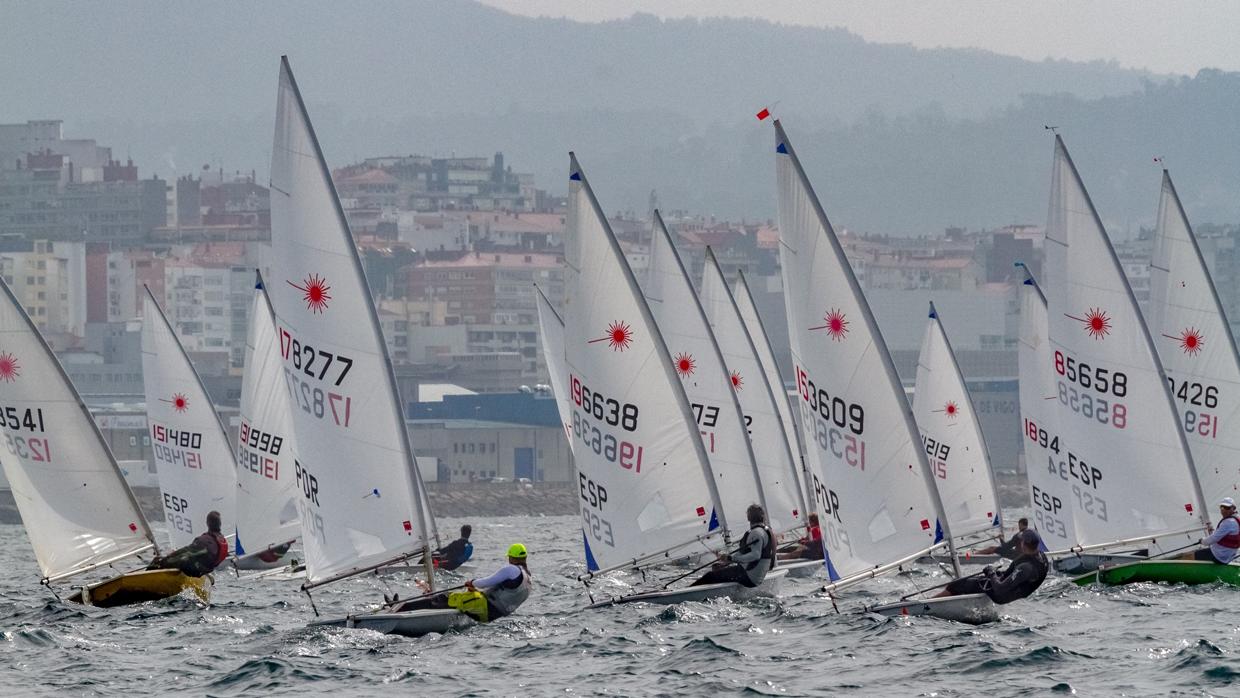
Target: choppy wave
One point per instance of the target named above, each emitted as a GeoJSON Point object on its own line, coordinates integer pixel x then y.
{"type": "Point", "coordinates": [1141, 640]}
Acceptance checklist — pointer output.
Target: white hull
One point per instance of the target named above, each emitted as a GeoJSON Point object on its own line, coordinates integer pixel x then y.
{"type": "Point", "coordinates": [974, 609]}
{"type": "Point", "coordinates": [801, 569]}
{"type": "Point", "coordinates": [408, 623]}
{"type": "Point", "coordinates": [768, 587]}
{"type": "Point", "coordinates": [465, 569]}
{"type": "Point", "coordinates": [1089, 562]}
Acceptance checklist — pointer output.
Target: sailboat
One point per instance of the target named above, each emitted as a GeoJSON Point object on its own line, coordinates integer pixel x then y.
{"type": "Point", "coordinates": [551, 334]}
{"type": "Point", "coordinates": [267, 519]}
{"type": "Point", "coordinates": [884, 510]}
{"type": "Point", "coordinates": [648, 494]}
{"type": "Point", "coordinates": [952, 438]}
{"type": "Point", "coordinates": [1121, 455]}
{"type": "Point", "coordinates": [712, 390]}
{"type": "Point", "coordinates": [1049, 495]}
{"type": "Point", "coordinates": [193, 459]}
{"type": "Point", "coordinates": [815, 492]}
{"type": "Point", "coordinates": [1202, 368]}
{"type": "Point", "coordinates": [779, 469]}
{"type": "Point", "coordinates": [359, 494]}
{"type": "Point", "coordinates": [79, 512]}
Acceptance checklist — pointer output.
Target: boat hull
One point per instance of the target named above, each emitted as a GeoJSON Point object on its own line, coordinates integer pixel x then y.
{"type": "Point", "coordinates": [800, 569]}
{"type": "Point", "coordinates": [965, 559]}
{"type": "Point", "coordinates": [974, 609]}
{"type": "Point", "coordinates": [406, 623]}
{"type": "Point", "coordinates": [1088, 562]}
{"type": "Point", "coordinates": [769, 587]}
{"type": "Point", "coordinates": [141, 586]}
{"type": "Point", "coordinates": [1169, 571]}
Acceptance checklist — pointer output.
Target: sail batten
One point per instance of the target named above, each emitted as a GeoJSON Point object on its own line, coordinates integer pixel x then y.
{"type": "Point", "coordinates": [360, 500]}
{"type": "Point", "coordinates": [78, 511]}
{"type": "Point", "coordinates": [858, 426]}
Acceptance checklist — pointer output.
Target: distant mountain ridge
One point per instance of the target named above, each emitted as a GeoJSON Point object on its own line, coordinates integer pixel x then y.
{"type": "Point", "coordinates": [898, 139]}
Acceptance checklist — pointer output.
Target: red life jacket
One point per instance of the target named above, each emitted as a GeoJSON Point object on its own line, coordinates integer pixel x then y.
{"type": "Point", "coordinates": [221, 545]}
{"type": "Point", "coordinates": [1231, 540]}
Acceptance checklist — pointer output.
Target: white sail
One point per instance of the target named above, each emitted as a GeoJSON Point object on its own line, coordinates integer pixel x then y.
{"type": "Point", "coordinates": [1197, 349]}
{"type": "Point", "coordinates": [699, 363]}
{"type": "Point", "coordinates": [193, 459]}
{"type": "Point", "coordinates": [952, 436]}
{"type": "Point", "coordinates": [643, 475]}
{"type": "Point", "coordinates": [778, 468]}
{"type": "Point", "coordinates": [551, 331]}
{"type": "Point", "coordinates": [359, 501]}
{"type": "Point", "coordinates": [266, 453]}
{"type": "Point", "coordinates": [859, 430]}
{"type": "Point", "coordinates": [1124, 459]}
{"type": "Point", "coordinates": [1048, 494]}
{"type": "Point", "coordinates": [811, 486]}
{"type": "Point", "coordinates": [78, 511]}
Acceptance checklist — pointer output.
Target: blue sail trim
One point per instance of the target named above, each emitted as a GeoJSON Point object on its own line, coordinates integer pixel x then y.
{"type": "Point", "coordinates": [714, 521]}
{"type": "Point", "coordinates": [938, 531]}
{"type": "Point", "coordinates": [591, 564]}
{"type": "Point", "coordinates": [826, 558]}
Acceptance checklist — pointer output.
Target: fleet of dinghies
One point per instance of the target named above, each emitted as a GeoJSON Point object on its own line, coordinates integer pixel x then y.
{"type": "Point", "coordinates": [675, 411]}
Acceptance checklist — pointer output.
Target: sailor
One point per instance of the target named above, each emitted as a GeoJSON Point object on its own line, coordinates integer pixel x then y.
{"type": "Point", "coordinates": [456, 553]}
{"type": "Point", "coordinates": [1020, 579]}
{"type": "Point", "coordinates": [201, 556]}
{"type": "Point", "coordinates": [1222, 545]}
{"type": "Point", "coordinates": [807, 548]}
{"type": "Point", "coordinates": [754, 557]}
{"type": "Point", "coordinates": [1009, 548]}
{"type": "Point", "coordinates": [489, 598]}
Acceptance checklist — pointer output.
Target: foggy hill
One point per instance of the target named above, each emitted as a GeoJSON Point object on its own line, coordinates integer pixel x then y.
{"type": "Point", "coordinates": [898, 139]}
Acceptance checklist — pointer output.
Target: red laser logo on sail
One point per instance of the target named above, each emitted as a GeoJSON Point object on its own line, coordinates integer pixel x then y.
{"type": "Point", "coordinates": [9, 368]}
{"type": "Point", "coordinates": [314, 291]}
{"type": "Point", "coordinates": [1096, 322]}
{"type": "Point", "coordinates": [737, 381]}
{"type": "Point", "coordinates": [685, 365]}
{"type": "Point", "coordinates": [951, 410]}
{"type": "Point", "coordinates": [836, 325]}
{"type": "Point", "coordinates": [1190, 341]}
{"type": "Point", "coordinates": [619, 336]}
{"type": "Point", "coordinates": [179, 402]}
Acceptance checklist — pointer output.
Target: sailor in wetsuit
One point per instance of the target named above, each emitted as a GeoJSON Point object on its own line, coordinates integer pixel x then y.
{"type": "Point", "coordinates": [754, 557]}
{"type": "Point", "coordinates": [809, 547]}
{"type": "Point", "coordinates": [486, 599]}
{"type": "Point", "coordinates": [1020, 579]}
{"type": "Point", "coordinates": [1007, 549]}
{"type": "Point", "coordinates": [456, 553]}
{"type": "Point", "coordinates": [201, 556]}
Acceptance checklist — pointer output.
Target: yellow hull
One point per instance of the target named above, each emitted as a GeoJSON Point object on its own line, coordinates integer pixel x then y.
{"type": "Point", "coordinates": [146, 585]}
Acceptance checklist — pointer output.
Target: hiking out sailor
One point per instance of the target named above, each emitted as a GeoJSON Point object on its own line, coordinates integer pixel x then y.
{"type": "Point", "coordinates": [201, 556]}
{"type": "Point", "coordinates": [1222, 545]}
{"type": "Point", "coordinates": [754, 557]}
{"type": "Point", "coordinates": [1008, 548]}
{"type": "Point", "coordinates": [1020, 579]}
{"type": "Point", "coordinates": [807, 548]}
{"type": "Point", "coordinates": [488, 598]}
{"type": "Point", "coordinates": [456, 553]}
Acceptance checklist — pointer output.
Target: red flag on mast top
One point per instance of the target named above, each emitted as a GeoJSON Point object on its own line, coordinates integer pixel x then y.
{"type": "Point", "coordinates": [762, 115]}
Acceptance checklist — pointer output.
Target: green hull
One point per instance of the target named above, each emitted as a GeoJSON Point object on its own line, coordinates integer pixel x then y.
{"type": "Point", "coordinates": [1169, 571]}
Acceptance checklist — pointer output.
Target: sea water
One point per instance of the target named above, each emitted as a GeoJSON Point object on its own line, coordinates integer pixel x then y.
{"type": "Point", "coordinates": [1143, 640]}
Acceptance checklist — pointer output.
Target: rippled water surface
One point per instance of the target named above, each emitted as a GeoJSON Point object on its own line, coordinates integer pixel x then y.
{"type": "Point", "coordinates": [252, 640]}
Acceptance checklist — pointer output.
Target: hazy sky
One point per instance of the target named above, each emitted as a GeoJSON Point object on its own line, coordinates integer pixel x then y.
{"type": "Point", "coordinates": [1166, 36]}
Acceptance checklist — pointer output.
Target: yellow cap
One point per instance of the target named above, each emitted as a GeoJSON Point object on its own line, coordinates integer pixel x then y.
{"type": "Point", "coordinates": [516, 550]}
